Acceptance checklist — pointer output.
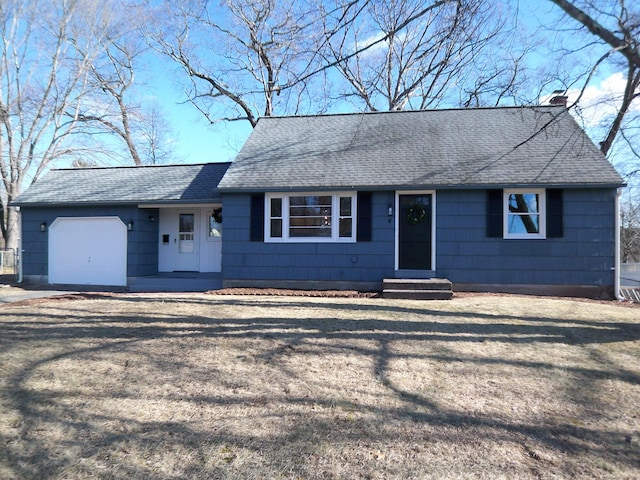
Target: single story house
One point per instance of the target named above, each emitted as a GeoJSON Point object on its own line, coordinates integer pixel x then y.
{"type": "Point", "coordinates": [500, 199]}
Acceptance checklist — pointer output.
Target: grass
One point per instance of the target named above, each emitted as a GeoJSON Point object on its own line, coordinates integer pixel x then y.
{"type": "Point", "coordinates": [200, 386]}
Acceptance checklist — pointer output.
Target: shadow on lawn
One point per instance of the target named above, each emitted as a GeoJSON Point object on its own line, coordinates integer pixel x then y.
{"type": "Point", "coordinates": [89, 436]}
{"type": "Point", "coordinates": [433, 325]}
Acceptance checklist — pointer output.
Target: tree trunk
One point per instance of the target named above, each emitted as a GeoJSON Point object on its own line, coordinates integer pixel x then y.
{"type": "Point", "coordinates": [12, 235]}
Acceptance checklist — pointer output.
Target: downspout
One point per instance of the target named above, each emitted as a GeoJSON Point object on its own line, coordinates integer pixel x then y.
{"type": "Point", "coordinates": [616, 277]}
{"type": "Point", "coordinates": [19, 252]}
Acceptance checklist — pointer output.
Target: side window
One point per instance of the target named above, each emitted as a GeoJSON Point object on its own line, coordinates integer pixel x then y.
{"type": "Point", "coordinates": [346, 217]}
{"type": "Point", "coordinates": [275, 217]}
{"type": "Point", "coordinates": [215, 223]}
{"type": "Point", "coordinates": [524, 213]}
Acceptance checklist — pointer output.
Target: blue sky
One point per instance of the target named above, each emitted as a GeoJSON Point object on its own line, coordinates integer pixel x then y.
{"type": "Point", "coordinates": [194, 140]}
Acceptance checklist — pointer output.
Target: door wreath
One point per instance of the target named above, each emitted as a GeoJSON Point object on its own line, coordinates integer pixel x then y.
{"type": "Point", "coordinates": [416, 214]}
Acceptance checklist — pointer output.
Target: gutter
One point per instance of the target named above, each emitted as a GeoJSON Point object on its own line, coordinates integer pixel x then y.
{"type": "Point", "coordinates": [616, 277]}
{"type": "Point", "coordinates": [400, 188]}
{"type": "Point", "coordinates": [145, 203]}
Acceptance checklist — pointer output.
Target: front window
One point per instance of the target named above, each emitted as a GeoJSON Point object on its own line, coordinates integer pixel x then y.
{"type": "Point", "coordinates": [310, 217]}
{"type": "Point", "coordinates": [524, 214]}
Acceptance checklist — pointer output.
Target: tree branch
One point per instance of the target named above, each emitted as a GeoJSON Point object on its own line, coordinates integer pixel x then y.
{"type": "Point", "coordinates": [627, 49]}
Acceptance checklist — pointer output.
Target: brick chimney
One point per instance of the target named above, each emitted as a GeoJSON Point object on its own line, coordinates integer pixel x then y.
{"type": "Point", "coordinates": [559, 98]}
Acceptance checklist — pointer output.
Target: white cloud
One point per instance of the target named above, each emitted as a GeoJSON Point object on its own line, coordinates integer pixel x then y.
{"type": "Point", "coordinates": [598, 102]}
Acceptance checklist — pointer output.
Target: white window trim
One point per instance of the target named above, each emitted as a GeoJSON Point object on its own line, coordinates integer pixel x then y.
{"type": "Point", "coordinates": [335, 218]}
{"type": "Point", "coordinates": [542, 204]}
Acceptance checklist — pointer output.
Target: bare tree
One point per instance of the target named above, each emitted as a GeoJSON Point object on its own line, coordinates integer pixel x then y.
{"type": "Point", "coordinates": [630, 230]}
{"type": "Point", "coordinates": [499, 71]}
{"type": "Point", "coordinates": [66, 73]}
{"type": "Point", "coordinates": [239, 55]}
{"type": "Point", "coordinates": [42, 83]}
{"type": "Point", "coordinates": [406, 54]}
{"type": "Point", "coordinates": [112, 109]}
{"type": "Point", "coordinates": [616, 28]}
{"type": "Point", "coordinates": [157, 145]}
{"type": "Point", "coordinates": [252, 58]}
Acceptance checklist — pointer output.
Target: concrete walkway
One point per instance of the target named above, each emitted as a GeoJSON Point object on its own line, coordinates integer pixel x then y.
{"type": "Point", "coordinates": [9, 294]}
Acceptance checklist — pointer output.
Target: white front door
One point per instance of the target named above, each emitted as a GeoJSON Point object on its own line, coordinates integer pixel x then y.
{"type": "Point", "coordinates": [187, 254]}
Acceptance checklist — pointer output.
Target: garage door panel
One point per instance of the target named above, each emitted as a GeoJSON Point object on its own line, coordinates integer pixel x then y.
{"type": "Point", "coordinates": [88, 251]}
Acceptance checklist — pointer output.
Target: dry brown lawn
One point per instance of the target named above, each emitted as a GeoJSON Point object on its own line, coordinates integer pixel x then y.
{"type": "Point", "coordinates": [200, 386]}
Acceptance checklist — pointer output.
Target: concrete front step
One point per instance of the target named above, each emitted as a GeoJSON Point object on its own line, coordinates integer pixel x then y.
{"type": "Point", "coordinates": [416, 284]}
{"type": "Point", "coordinates": [417, 289]}
{"type": "Point", "coordinates": [418, 294]}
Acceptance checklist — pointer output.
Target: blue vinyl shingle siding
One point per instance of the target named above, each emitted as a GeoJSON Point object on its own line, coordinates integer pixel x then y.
{"type": "Point", "coordinates": [243, 259]}
{"type": "Point", "coordinates": [583, 256]}
{"type": "Point", "coordinates": [464, 254]}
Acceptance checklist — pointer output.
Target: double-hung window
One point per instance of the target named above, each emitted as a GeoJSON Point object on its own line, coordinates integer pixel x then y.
{"type": "Point", "coordinates": [524, 213]}
{"type": "Point", "coordinates": [310, 217]}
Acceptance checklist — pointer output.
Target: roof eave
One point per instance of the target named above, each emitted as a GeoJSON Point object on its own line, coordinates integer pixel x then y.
{"type": "Point", "coordinates": [487, 186]}
{"type": "Point", "coordinates": [28, 204]}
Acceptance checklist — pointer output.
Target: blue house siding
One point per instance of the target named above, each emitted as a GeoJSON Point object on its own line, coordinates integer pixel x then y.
{"type": "Point", "coordinates": [245, 260]}
{"type": "Point", "coordinates": [583, 256]}
{"type": "Point", "coordinates": [142, 247]}
{"type": "Point", "coordinates": [142, 243]}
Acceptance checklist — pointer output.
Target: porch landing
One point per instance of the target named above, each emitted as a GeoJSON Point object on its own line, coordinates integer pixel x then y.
{"type": "Point", "coordinates": [176, 282]}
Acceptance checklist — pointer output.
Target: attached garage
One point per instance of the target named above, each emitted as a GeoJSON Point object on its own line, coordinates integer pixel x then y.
{"type": "Point", "coordinates": [88, 251]}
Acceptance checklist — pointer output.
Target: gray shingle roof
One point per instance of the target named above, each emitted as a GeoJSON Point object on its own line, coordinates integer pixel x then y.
{"type": "Point", "coordinates": [171, 184]}
{"type": "Point", "coordinates": [513, 146]}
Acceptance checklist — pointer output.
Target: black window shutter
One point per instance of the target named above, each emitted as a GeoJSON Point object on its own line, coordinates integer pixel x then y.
{"type": "Point", "coordinates": [494, 213]}
{"type": "Point", "coordinates": [256, 226]}
{"type": "Point", "coordinates": [364, 224]}
{"type": "Point", "coordinates": [555, 214]}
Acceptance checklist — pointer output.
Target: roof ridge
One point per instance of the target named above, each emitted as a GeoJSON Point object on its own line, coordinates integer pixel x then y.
{"type": "Point", "coordinates": [123, 167]}
{"type": "Point", "coordinates": [399, 112]}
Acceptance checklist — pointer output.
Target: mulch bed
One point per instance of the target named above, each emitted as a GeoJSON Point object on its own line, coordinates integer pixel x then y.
{"type": "Point", "coordinates": [296, 293]}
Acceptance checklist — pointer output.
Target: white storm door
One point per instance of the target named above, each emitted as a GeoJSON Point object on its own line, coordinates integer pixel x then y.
{"type": "Point", "coordinates": [187, 251]}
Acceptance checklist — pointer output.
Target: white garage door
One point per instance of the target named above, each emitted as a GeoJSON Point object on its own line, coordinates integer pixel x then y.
{"type": "Point", "coordinates": [88, 251]}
